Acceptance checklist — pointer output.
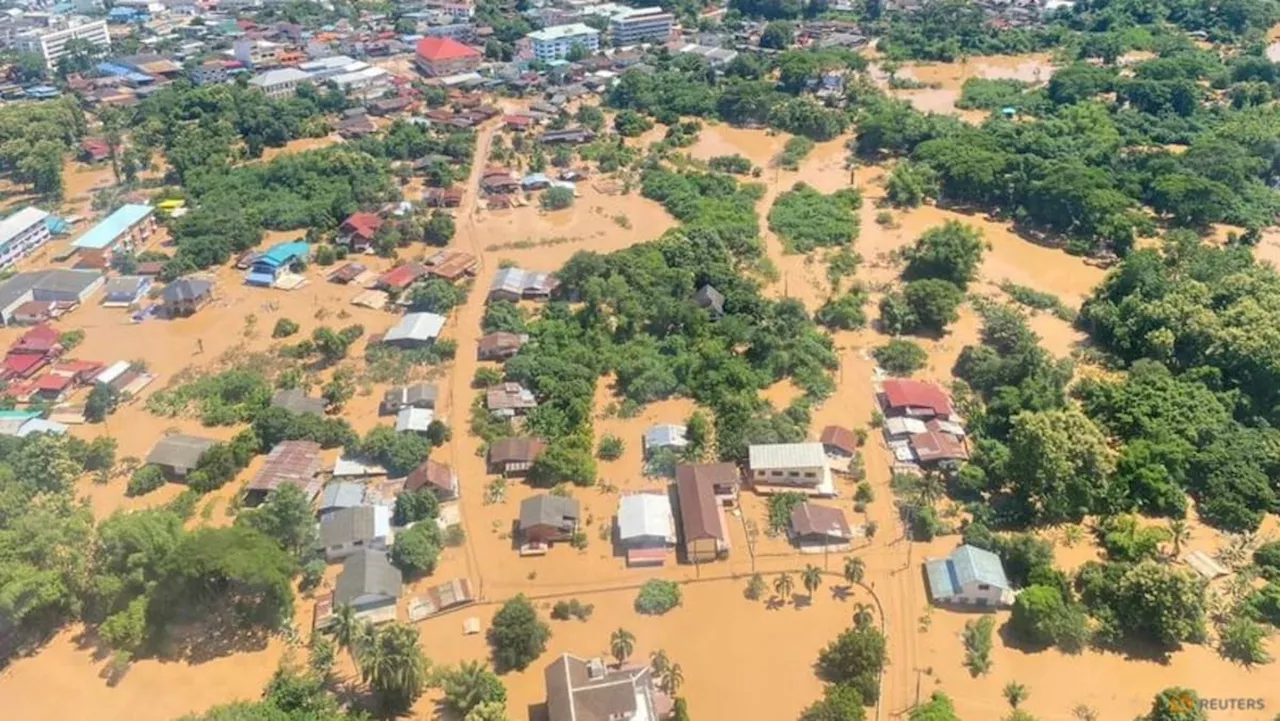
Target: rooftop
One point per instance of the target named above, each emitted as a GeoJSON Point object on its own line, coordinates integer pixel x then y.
{"type": "Point", "coordinates": [560, 32]}
{"type": "Point", "coordinates": [280, 76]}
{"type": "Point", "coordinates": [20, 221]}
{"type": "Point", "coordinates": [113, 226]}
{"type": "Point", "coordinates": [416, 326]}
{"type": "Point", "coordinates": [435, 49]}
{"type": "Point", "coordinates": [179, 451]}
{"type": "Point", "coordinates": [645, 515]}
{"type": "Point", "coordinates": [296, 462]}
{"type": "Point", "coordinates": [367, 573]}
{"type": "Point", "coordinates": [786, 455]}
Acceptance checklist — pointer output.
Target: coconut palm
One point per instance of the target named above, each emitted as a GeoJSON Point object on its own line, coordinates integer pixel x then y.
{"type": "Point", "coordinates": [811, 579]}
{"type": "Point", "coordinates": [346, 629]}
{"type": "Point", "coordinates": [470, 685]}
{"type": "Point", "coordinates": [854, 570]}
{"type": "Point", "coordinates": [672, 680]}
{"type": "Point", "coordinates": [783, 585]}
{"type": "Point", "coordinates": [393, 665]}
{"type": "Point", "coordinates": [930, 488]}
{"type": "Point", "coordinates": [1015, 693]}
{"type": "Point", "coordinates": [659, 662]}
{"type": "Point", "coordinates": [862, 615]}
{"type": "Point", "coordinates": [871, 529]}
{"type": "Point", "coordinates": [1179, 534]}
{"type": "Point", "coordinates": [621, 644]}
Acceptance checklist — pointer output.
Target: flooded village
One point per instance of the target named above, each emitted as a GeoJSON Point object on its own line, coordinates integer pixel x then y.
{"type": "Point", "coordinates": [459, 363]}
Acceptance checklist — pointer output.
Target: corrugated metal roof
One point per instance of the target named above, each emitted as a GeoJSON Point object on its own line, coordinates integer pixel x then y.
{"type": "Point", "coordinates": [787, 455]}
{"type": "Point", "coordinates": [973, 564]}
{"type": "Point", "coordinates": [113, 226]}
{"type": "Point", "coordinates": [414, 419]}
{"type": "Point", "coordinates": [941, 583]}
{"type": "Point", "coordinates": [19, 222]}
{"type": "Point", "coordinates": [416, 326]}
{"type": "Point", "coordinates": [645, 514]}
{"type": "Point", "coordinates": [342, 494]}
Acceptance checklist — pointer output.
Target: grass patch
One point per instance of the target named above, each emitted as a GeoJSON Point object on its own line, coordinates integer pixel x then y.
{"type": "Point", "coordinates": [1039, 300]}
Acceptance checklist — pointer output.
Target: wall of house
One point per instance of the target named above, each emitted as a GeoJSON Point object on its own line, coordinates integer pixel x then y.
{"type": "Point", "coordinates": [702, 550]}
{"type": "Point", "coordinates": [804, 476]}
{"type": "Point", "coordinates": [974, 595]}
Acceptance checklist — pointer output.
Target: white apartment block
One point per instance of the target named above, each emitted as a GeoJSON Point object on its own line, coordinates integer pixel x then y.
{"type": "Point", "coordinates": [458, 9]}
{"type": "Point", "coordinates": [634, 25]}
{"type": "Point", "coordinates": [21, 233]}
{"type": "Point", "coordinates": [554, 43]}
{"type": "Point", "coordinates": [280, 83]}
{"type": "Point", "coordinates": [52, 44]}
{"type": "Point", "coordinates": [257, 52]}
{"type": "Point", "coordinates": [802, 466]}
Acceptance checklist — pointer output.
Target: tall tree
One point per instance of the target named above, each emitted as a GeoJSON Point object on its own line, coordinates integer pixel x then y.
{"type": "Point", "coordinates": [621, 644]}
{"type": "Point", "coordinates": [394, 666]}
{"type": "Point", "coordinates": [811, 578]}
{"type": "Point", "coordinates": [854, 570]}
{"type": "Point", "coordinates": [783, 585]}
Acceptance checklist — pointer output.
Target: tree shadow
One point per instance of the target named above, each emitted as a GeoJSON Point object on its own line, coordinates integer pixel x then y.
{"type": "Point", "coordinates": [802, 601]}
{"type": "Point", "coordinates": [774, 603]}
{"type": "Point", "coordinates": [222, 635]}
{"type": "Point", "coordinates": [841, 593]}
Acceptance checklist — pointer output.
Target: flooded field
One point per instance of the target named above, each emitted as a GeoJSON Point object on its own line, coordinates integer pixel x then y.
{"type": "Point", "coordinates": [734, 664]}
{"type": "Point", "coordinates": [943, 81]}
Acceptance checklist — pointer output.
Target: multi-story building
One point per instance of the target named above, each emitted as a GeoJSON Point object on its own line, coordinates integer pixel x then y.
{"type": "Point", "coordinates": [21, 233]}
{"type": "Point", "coordinates": [554, 43]}
{"type": "Point", "coordinates": [52, 44]}
{"type": "Point", "coordinates": [215, 72]}
{"type": "Point", "coordinates": [258, 53]}
{"type": "Point", "coordinates": [441, 57]}
{"type": "Point", "coordinates": [634, 25]}
{"type": "Point", "coordinates": [281, 83]}
{"type": "Point", "coordinates": [459, 9]}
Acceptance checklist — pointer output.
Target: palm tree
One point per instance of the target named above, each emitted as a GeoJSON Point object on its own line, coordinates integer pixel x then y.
{"type": "Point", "coordinates": [862, 615]}
{"type": "Point", "coordinates": [811, 578]}
{"type": "Point", "coordinates": [659, 662]}
{"type": "Point", "coordinates": [1015, 693]}
{"type": "Point", "coordinates": [672, 680]}
{"type": "Point", "coordinates": [1084, 713]}
{"type": "Point", "coordinates": [871, 529]}
{"type": "Point", "coordinates": [854, 570]}
{"type": "Point", "coordinates": [621, 644]}
{"type": "Point", "coordinates": [1179, 533]}
{"type": "Point", "coordinates": [394, 667]}
{"type": "Point", "coordinates": [469, 686]}
{"type": "Point", "coordinates": [346, 629]}
{"type": "Point", "coordinates": [783, 585]}
{"type": "Point", "coordinates": [930, 488]}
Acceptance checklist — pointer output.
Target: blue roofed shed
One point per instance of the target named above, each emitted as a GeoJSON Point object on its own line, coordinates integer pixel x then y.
{"type": "Point", "coordinates": [970, 576]}
{"type": "Point", "coordinates": [127, 221]}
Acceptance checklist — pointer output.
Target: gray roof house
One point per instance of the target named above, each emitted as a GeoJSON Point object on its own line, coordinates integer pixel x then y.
{"type": "Point", "coordinates": [581, 689]}
{"type": "Point", "coordinates": [509, 400]}
{"type": "Point", "coordinates": [184, 296]}
{"type": "Point", "coordinates": [367, 581]}
{"type": "Point", "coordinates": [339, 495]}
{"type": "Point", "coordinates": [124, 291]}
{"type": "Point", "coordinates": [59, 284]}
{"type": "Point", "coordinates": [516, 284]}
{"type": "Point", "coordinates": [351, 530]}
{"type": "Point", "coordinates": [416, 420]}
{"type": "Point", "coordinates": [415, 329]}
{"type": "Point", "coordinates": [418, 395]}
{"type": "Point", "coordinates": [970, 576]}
{"type": "Point", "coordinates": [178, 454]}
{"type": "Point", "coordinates": [664, 435]}
{"type": "Point", "coordinates": [545, 518]}
{"type": "Point", "coordinates": [711, 299]}
{"type": "Point", "coordinates": [296, 400]}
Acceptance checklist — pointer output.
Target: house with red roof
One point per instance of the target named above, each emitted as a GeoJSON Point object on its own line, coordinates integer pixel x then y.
{"type": "Point", "coordinates": [53, 386]}
{"type": "Point", "coordinates": [440, 56]}
{"type": "Point", "coordinates": [357, 232]}
{"type": "Point", "coordinates": [914, 399]}
{"type": "Point", "coordinates": [401, 277]}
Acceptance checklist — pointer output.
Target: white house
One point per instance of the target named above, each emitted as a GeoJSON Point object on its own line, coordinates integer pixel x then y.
{"type": "Point", "coordinates": [21, 233]}
{"type": "Point", "coordinates": [791, 466]}
{"type": "Point", "coordinates": [970, 576]}
{"type": "Point", "coordinates": [664, 435]}
{"type": "Point", "coordinates": [646, 528]}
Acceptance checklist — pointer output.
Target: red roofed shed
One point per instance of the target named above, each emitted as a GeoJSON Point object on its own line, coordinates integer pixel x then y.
{"type": "Point", "coordinates": [358, 230]}
{"type": "Point", "coordinates": [401, 277]}
{"type": "Point", "coordinates": [39, 340]}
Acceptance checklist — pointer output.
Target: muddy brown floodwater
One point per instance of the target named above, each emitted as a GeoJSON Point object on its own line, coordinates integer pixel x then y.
{"type": "Point", "coordinates": [741, 660]}
{"type": "Point", "coordinates": [944, 80]}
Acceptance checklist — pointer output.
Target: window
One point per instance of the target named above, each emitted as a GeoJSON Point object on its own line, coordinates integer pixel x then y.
{"type": "Point", "coordinates": [777, 474]}
{"type": "Point", "coordinates": [983, 587]}
{"type": "Point", "coordinates": [810, 474]}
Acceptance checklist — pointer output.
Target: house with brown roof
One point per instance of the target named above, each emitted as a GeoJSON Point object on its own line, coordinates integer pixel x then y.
{"type": "Point", "coordinates": [941, 444]}
{"type": "Point", "coordinates": [903, 397]}
{"type": "Point", "coordinates": [290, 462]}
{"type": "Point", "coordinates": [347, 273]}
{"type": "Point", "coordinates": [442, 197]}
{"type": "Point", "coordinates": [500, 346]}
{"type": "Point", "coordinates": [358, 230]}
{"type": "Point", "coordinates": [452, 265]}
{"type": "Point", "coordinates": [514, 456]}
{"type": "Point", "coordinates": [724, 479]}
{"type": "Point", "coordinates": [703, 532]}
{"type": "Point", "coordinates": [546, 519]}
{"type": "Point", "coordinates": [816, 528]}
{"type": "Point", "coordinates": [839, 441]}
{"type": "Point", "coordinates": [440, 478]}
{"type": "Point", "coordinates": [509, 400]}
{"type": "Point", "coordinates": [588, 690]}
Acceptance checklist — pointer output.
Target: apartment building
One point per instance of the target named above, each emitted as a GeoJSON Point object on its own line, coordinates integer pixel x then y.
{"type": "Point", "coordinates": [554, 43]}
{"type": "Point", "coordinates": [457, 9]}
{"type": "Point", "coordinates": [21, 233]}
{"type": "Point", "coordinates": [258, 53]}
{"type": "Point", "coordinates": [52, 44]}
{"type": "Point", "coordinates": [635, 25]}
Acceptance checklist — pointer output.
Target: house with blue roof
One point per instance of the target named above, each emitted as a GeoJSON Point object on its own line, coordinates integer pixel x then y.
{"type": "Point", "coordinates": [268, 267]}
{"type": "Point", "coordinates": [970, 576]}
{"type": "Point", "coordinates": [127, 227]}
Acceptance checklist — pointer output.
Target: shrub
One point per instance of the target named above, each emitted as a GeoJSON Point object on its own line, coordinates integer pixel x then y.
{"type": "Point", "coordinates": [417, 550]}
{"type": "Point", "coordinates": [486, 377]}
{"type": "Point", "coordinates": [414, 506]}
{"type": "Point", "coordinates": [900, 357]}
{"type": "Point", "coordinates": [780, 507]}
{"type": "Point", "coordinates": [736, 164]}
{"type": "Point", "coordinates": [556, 199]}
{"type": "Point", "coordinates": [517, 635]}
{"type": "Point", "coordinates": [325, 255]}
{"type": "Point", "coordinates": [284, 328]}
{"type": "Point", "coordinates": [145, 480]}
{"type": "Point", "coordinates": [977, 645]}
{"type": "Point", "coordinates": [657, 597]}
{"type": "Point", "coordinates": [610, 448]}
{"type": "Point", "coordinates": [844, 312]}
{"type": "Point", "coordinates": [756, 587]}
{"type": "Point", "coordinates": [573, 608]}
{"type": "Point", "coordinates": [805, 218]}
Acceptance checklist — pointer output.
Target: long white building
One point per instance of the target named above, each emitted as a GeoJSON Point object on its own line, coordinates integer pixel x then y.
{"type": "Point", "coordinates": [52, 44]}
{"type": "Point", "coordinates": [21, 233]}
{"type": "Point", "coordinates": [555, 42]}
{"type": "Point", "coordinates": [651, 24]}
